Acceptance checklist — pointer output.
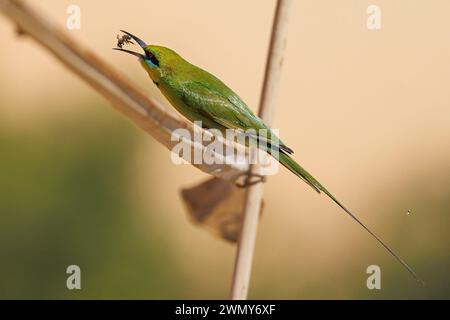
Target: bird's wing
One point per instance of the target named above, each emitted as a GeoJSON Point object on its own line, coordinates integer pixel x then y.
{"type": "Point", "coordinates": [226, 110]}
{"type": "Point", "coordinates": [210, 103]}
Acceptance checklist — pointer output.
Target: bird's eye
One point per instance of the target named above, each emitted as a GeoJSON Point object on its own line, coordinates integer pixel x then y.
{"type": "Point", "coordinates": [152, 58]}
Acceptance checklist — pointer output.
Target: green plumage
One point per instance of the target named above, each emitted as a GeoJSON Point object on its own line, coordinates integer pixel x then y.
{"type": "Point", "coordinates": [200, 96]}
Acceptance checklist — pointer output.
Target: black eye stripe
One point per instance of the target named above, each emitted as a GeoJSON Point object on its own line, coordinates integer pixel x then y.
{"type": "Point", "coordinates": [152, 58]}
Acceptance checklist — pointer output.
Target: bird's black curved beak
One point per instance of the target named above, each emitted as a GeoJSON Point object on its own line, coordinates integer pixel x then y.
{"type": "Point", "coordinates": [141, 43]}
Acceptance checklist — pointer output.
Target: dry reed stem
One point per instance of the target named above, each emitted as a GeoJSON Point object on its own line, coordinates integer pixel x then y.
{"type": "Point", "coordinates": [252, 208]}
{"type": "Point", "coordinates": [144, 112]}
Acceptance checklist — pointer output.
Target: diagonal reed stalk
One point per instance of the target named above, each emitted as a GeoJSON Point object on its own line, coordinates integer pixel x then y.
{"type": "Point", "coordinates": [143, 111]}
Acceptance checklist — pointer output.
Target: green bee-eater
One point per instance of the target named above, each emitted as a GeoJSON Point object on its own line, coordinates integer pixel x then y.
{"type": "Point", "coordinates": [200, 96]}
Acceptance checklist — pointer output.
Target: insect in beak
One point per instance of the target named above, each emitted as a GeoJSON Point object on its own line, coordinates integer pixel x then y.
{"type": "Point", "coordinates": [122, 41]}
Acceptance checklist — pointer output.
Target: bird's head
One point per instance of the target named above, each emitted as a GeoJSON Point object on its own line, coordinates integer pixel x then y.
{"type": "Point", "coordinates": [157, 61]}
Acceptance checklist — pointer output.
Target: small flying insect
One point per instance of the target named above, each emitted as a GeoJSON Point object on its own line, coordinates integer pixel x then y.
{"type": "Point", "coordinates": [122, 40]}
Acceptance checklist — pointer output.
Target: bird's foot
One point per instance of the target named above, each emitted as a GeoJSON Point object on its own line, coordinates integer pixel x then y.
{"type": "Point", "coordinates": [249, 180]}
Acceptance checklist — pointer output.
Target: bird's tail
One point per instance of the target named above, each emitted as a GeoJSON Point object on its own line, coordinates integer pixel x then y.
{"type": "Point", "coordinates": [295, 168]}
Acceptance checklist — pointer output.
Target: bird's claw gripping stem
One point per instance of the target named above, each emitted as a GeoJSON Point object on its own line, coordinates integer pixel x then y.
{"type": "Point", "coordinates": [248, 180]}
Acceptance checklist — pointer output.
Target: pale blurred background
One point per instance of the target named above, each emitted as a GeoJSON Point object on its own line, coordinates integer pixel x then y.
{"type": "Point", "coordinates": [367, 112]}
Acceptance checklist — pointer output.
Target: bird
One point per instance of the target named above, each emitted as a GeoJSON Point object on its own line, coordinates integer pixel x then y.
{"type": "Point", "coordinates": [200, 96]}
